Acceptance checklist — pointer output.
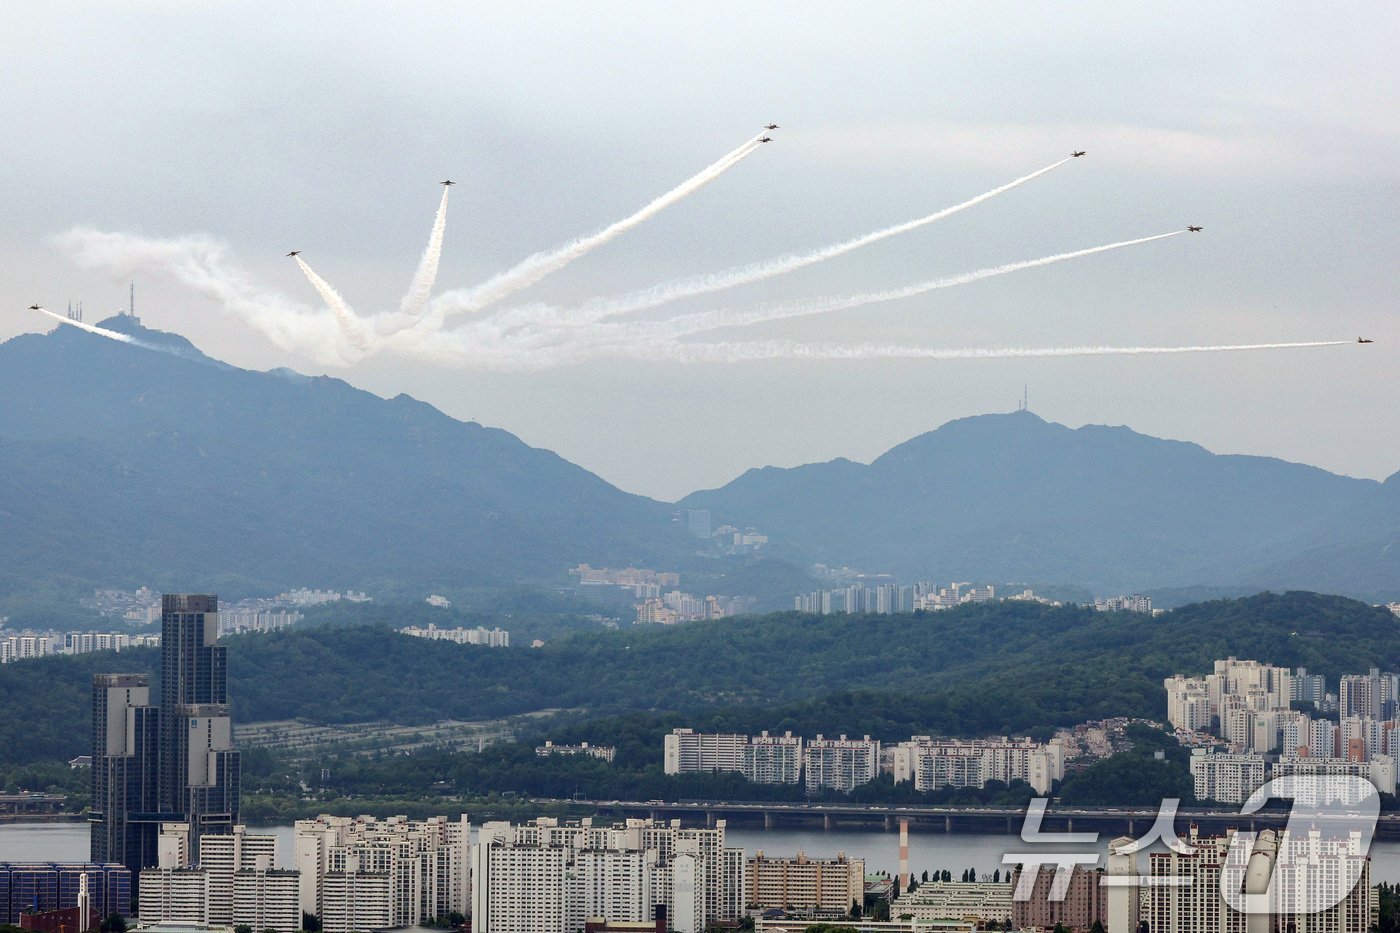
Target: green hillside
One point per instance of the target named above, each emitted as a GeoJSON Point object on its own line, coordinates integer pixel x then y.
{"type": "Point", "coordinates": [991, 668]}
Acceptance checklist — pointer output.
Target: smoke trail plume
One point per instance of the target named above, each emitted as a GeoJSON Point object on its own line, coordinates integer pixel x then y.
{"type": "Point", "coordinates": [421, 288]}
{"type": "Point", "coordinates": [780, 350]}
{"type": "Point", "coordinates": [134, 341]}
{"type": "Point", "coordinates": [100, 331]}
{"type": "Point", "coordinates": [535, 267]}
{"type": "Point", "coordinates": [710, 320]}
{"type": "Point", "coordinates": [756, 272]}
{"type": "Point", "coordinates": [344, 315]}
{"type": "Point", "coordinates": [200, 264]}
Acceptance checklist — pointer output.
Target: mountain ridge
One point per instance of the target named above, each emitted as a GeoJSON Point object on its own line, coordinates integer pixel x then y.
{"type": "Point", "coordinates": [157, 464]}
{"type": "Point", "coordinates": [1006, 497]}
{"type": "Point", "coordinates": [267, 479]}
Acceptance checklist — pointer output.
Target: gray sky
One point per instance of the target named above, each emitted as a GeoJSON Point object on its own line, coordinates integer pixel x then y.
{"type": "Point", "coordinates": [323, 127]}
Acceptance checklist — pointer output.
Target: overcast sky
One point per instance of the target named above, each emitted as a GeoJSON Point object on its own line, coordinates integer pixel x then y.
{"type": "Point", "coordinates": [325, 126]}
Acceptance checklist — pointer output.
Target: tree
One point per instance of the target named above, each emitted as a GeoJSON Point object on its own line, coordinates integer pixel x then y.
{"type": "Point", "coordinates": [311, 923]}
{"type": "Point", "coordinates": [1097, 927]}
{"type": "Point", "coordinates": [242, 928]}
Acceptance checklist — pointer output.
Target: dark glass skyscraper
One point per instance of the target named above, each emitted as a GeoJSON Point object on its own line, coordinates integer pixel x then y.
{"type": "Point", "coordinates": [175, 762]}
{"type": "Point", "coordinates": [126, 813]}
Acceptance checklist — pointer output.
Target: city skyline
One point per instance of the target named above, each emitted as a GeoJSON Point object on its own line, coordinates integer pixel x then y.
{"type": "Point", "coordinates": [885, 116]}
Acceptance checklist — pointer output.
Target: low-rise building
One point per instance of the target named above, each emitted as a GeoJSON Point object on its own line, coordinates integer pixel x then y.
{"type": "Point", "coordinates": [985, 902]}
{"type": "Point", "coordinates": [602, 752]}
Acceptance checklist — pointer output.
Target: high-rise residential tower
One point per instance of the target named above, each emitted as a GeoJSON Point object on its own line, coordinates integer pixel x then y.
{"type": "Point", "coordinates": [171, 763]}
{"type": "Point", "coordinates": [199, 766]}
{"type": "Point", "coordinates": [125, 815]}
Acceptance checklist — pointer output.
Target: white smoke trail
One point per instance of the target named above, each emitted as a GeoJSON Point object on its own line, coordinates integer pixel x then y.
{"type": "Point", "coordinates": [199, 263]}
{"type": "Point", "coordinates": [345, 316]}
{"type": "Point", "coordinates": [127, 338]}
{"type": "Point", "coordinates": [421, 288]}
{"type": "Point", "coordinates": [776, 350]}
{"type": "Point", "coordinates": [744, 275]}
{"type": "Point", "coordinates": [710, 320]}
{"type": "Point", "coordinates": [533, 268]}
{"type": "Point", "coordinates": [100, 331]}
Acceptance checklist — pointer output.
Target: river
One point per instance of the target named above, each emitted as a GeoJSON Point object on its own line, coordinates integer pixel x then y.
{"type": "Point", "coordinates": [68, 842]}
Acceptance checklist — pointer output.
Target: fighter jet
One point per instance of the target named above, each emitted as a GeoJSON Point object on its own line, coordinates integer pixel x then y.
{"type": "Point", "coordinates": [765, 139]}
{"type": "Point", "coordinates": [35, 308]}
{"type": "Point", "coordinates": [295, 252]}
{"type": "Point", "coordinates": [1076, 154]}
{"type": "Point", "coordinates": [1364, 340]}
{"type": "Point", "coordinates": [1193, 229]}
{"type": "Point", "coordinates": [446, 183]}
{"type": "Point", "coordinates": [770, 126]}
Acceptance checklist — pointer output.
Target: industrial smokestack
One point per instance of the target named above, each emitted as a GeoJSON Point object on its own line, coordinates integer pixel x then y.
{"type": "Point", "coordinates": [903, 854]}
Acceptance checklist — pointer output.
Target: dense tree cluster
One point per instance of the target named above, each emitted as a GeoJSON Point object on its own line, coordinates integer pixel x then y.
{"type": "Point", "coordinates": [888, 676]}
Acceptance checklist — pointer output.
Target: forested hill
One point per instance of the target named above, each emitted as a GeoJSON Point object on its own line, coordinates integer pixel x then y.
{"type": "Point", "coordinates": [989, 668]}
{"type": "Point", "coordinates": [121, 466]}
{"type": "Point", "coordinates": [1013, 497]}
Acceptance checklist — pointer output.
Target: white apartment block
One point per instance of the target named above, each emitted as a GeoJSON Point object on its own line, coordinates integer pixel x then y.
{"type": "Point", "coordinates": [1188, 705]}
{"type": "Point", "coordinates": [481, 635]}
{"type": "Point", "coordinates": [426, 864]}
{"type": "Point", "coordinates": [267, 899]}
{"type": "Point", "coordinates": [222, 856]}
{"type": "Point", "coordinates": [1226, 778]}
{"type": "Point", "coordinates": [773, 759]}
{"type": "Point", "coordinates": [175, 892]}
{"type": "Point", "coordinates": [801, 883]}
{"type": "Point", "coordinates": [1134, 603]}
{"type": "Point", "coordinates": [686, 751]}
{"type": "Point", "coordinates": [28, 645]}
{"type": "Point", "coordinates": [840, 764]}
{"type": "Point", "coordinates": [1249, 700]}
{"type": "Point", "coordinates": [1306, 871]}
{"type": "Point", "coordinates": [935, 763]}
{"type": "Point", "coordinates": [352, 901]}
{"type": "Point", "coordinates": [173, 895]}
{"type": "Point", "coordinates": [1380, 770]}
{"type": "Point", "coordinates": [543, 877]}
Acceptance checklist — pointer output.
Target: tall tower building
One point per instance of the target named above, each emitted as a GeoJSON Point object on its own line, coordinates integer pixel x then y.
{"type": "Point", "coordinates": [125, 815]}
{"type": "Point", "coordinates": [199, 766]}
{"type": "Point", "coordinates": [172, 763]}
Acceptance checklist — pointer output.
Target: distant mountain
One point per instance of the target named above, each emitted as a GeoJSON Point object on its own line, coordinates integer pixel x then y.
{"type": "Point", "coordinates": [1015, 498]}
{"type": "Point", "coordinates": [120, 465]}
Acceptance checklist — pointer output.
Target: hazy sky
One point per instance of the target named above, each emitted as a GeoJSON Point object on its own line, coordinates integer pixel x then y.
{"type": "Point", "coordinates": [325, 126]}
